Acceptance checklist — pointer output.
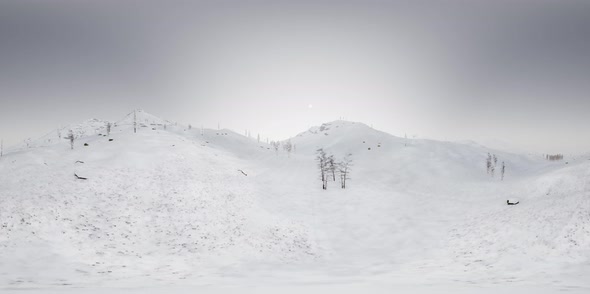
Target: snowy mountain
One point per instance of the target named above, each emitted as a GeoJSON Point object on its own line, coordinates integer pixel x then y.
{"type": "Point", "coordinates": [84, 129]}
{"type": "Point", "coordinates": [173, 206]}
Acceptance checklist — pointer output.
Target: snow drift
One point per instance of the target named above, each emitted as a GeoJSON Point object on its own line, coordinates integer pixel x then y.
{"type": "Point", "coordinates": [169, 205]}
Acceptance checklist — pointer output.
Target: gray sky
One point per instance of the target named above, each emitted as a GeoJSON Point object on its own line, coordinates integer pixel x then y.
{"type": "Point", "coordinates": [517, 71]}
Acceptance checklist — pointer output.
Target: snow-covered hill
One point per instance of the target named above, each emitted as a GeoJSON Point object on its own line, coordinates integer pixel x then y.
{"type": "Point", "coordinates": [173, 206]}
{"type": "Point", "coordinates": [411, 160]}
{"type": "Point", "coordinates": [59, 135]}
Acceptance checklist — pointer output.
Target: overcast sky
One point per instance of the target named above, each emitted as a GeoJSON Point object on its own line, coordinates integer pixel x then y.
{"type": "Point", "coordinates": [516, 71]}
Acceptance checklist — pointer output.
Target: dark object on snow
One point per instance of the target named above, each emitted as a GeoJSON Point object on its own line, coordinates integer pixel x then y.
{"type": "Point", "coordinates": [512, 203]}
{"type": "Point", "coordinates": [79, 161]}
{"type": "Point", "coordinates": [242, 172]}
{"type": "Point", "coordinates": [80, 178]}
{"type": "Point", "coordinates": [85, 144]}
{"type": "Point", "coordinates": [369, 148]}
{"type": "Point", "coordinates": [110, 140]}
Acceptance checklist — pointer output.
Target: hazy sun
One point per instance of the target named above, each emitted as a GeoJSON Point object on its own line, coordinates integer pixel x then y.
{"type": "Point", "coordinates": [309, 106]}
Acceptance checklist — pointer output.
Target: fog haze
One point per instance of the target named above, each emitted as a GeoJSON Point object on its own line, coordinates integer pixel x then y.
{"type": "Point", "coordinates": [510, 71]}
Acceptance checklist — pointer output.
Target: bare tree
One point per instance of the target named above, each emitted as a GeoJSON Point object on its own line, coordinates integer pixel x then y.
{"type": "Point", "coordinates": [331, 166]}
{"type": "Point", "coordinates": [134, 121]}
{"type": "Point", "coordinates": [503, 170]}
{"type": "Point", "coordinates": [321, 158]}
{"type": "Point", "coordinates": [288, 147]}
{"type": "Point", "coordinates": [190, 127]}
{"type": "Point", "coordinates": [259, 138]}
{"type": "Point", "coordinates": [489, 163]}
{"type": "Point", "coordinates": [109, 125]}
{"type": "Point", "coordinates": [344, 170]}
{"type": "Point", "coordinates": [71, 138]}
{"type": "Point", "coordinates": [275, 145]}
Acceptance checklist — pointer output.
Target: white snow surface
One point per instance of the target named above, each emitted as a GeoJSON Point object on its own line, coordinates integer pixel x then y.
{"type": "Point", "coordinates": [169, 210]}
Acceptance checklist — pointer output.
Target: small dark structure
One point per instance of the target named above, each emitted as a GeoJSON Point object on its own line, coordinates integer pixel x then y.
{"type": "Point", "coordinates": [110, 140]}
{"type": "Point", "coordinates": [85, 144]}
{"type": "Point", "coordinates": [512, 202]}
{"type": "Point", "coordinates": [242, 172]}
{"type": "Point", "coordinates": [79, 177]}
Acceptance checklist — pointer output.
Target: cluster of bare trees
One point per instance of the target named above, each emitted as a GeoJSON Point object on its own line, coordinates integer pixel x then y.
{"type": "Point", "coordinates": [328, 167]}
{"type": "Point", "coordinates": [286, 145]}
{"type": "Point", "coordinates": [554, 157]}
{"type": "Point", "coordinates": [491, 163]}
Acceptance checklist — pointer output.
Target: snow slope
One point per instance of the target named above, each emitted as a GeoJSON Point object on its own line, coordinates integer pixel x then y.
{"type": "Point", "coordinates": [169, 208]}
{"type": "Point", "coordinates": [59, 135]}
